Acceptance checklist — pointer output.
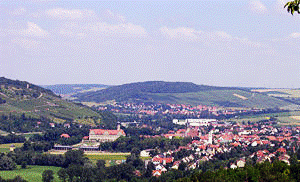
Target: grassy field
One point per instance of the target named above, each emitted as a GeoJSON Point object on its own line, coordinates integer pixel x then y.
{"type": "Point", "coordinates": [5, 147]}
{"type": "Point", "coordinates": [31, 173]}
{"type": "Point", "coordinates": [107, 157]}
{"type": "Point", "coordinates": [284, 118]}
{"type": "Point", "coordinates": [111, 158]}
{"type": "Point", "coordinates": [226, 98]}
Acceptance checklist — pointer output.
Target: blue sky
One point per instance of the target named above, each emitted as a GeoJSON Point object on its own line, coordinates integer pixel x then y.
{"type": "Point", "coordinates": [251, 43]}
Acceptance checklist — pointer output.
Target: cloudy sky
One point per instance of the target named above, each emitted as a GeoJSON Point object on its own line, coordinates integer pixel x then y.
{"type": "Point", "coordinates": [251, 43]}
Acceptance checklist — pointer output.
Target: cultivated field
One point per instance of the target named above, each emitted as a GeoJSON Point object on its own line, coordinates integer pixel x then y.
{"type": "Point", "coordinates": [5, 147]}
{"type": "Point", "coordinates": [284, 118]}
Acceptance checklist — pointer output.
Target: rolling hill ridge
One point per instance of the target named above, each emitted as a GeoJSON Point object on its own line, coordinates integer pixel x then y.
{"type": "Point", "coordinates": [183, 93]}
{"type": "Point", "coordinates": [18, 97]}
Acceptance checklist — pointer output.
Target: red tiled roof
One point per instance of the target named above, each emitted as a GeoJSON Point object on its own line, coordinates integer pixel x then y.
{"type": "Point", "coordinates": [65, 135]}
{"type": "Point", "coordinates": [282, 150]}
{"type": "Point", "coordinates": [160, 160]}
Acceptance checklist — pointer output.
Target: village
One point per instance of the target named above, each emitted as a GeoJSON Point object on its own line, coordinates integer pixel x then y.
{"type": "Point", "coordinates": [254, 143]}
{"type": "Point", "coordinates": [232, 144]}
{"type": "Point", "coordinates": [185, 110]}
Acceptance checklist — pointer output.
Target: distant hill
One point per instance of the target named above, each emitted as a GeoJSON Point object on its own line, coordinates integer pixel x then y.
{"type": "Point", "coordinates": [17, 97]}
{"type": "Point", "coordinates": [183, 93]}
{"type": "Point", "coordinates": [65, 89]}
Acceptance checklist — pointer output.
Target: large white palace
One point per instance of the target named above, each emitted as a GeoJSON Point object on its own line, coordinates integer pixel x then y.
{"type": "Point", "coordinates": [102, 135]}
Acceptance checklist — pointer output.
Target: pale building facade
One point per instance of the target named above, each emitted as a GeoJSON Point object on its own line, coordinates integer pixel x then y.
{"type": "Point", "coordinates": [102, 135]}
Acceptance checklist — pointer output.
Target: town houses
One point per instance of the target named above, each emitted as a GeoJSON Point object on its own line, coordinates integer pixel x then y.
{"type": "Point", "coordinates": [234, 143]}
{"type": "Point", "coordinates": [199, 111]}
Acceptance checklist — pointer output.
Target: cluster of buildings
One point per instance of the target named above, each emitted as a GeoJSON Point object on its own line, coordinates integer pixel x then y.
{"type": "Point", "coordinates": [258, 143]}
{"type": "Point", "coordinates": [103, 135]}
{"type": "Point", "coordinates": [173, 109]}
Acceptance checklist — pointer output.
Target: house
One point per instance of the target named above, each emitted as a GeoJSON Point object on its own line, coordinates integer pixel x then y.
{"type": "Point", "coordinates": [156, 173]}
{"type": "Point", "coordinates": [161, 168]}
{"type": "Point", "coordinates": [162, 160]}
{"type": "Point", "coordinates": [233, 166]}
{"type": "Point", "coordinates": [12, 147]}
{"type": "Point", "coordinates": [67, 125]}
{"type": "Point", "coordinates": [102, 135]}
{"type": "Point", "coordinates": [285, 158]}
{"type": "Point", "coordinates": [64, 135]}
{"type": "Point", "coordinates": [146, 153]}
{"type": "Point", "coordinates": [176, 165]}
{"type": "Point", "coordinates": [241, 163]}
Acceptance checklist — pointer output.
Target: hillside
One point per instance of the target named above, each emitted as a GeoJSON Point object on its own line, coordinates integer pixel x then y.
{"type": "Point", "coordinates": [63, 89]}
{"type": "Point", "coordinates": [17, 97]}
{"type": "Point", "coordinates": [183, 93]}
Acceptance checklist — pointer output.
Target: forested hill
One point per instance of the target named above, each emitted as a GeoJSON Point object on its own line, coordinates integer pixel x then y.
{"type": "Point", "coordinates": [141, 90]}
{"type": "Point", "coordinates": [182, 93]}
{"type": "Point", "coordinates": [22, 86]}
{"type": "Point", "coordinates": [21, 97]}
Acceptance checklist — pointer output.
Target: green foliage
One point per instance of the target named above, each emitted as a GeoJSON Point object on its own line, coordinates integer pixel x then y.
{"type": "Point", "coordinates": [37, 102]}
{"type": "Point", "coordinates": [182, 93]}
{"type": "Point", "coordinates": [277, 171]}
{"type": "Point", "coordinates": [142, 91]}
{"type": "Point", "coordinates": [30, 174]}
{"type": "Point", "coordinates": [75, 157]}
{"type": "Point", "coordinates": [23, 85]}
{"type": "Point", "coordinates": [47, 176]}
{"type": "Point", "coordinates": [126, 144]}
{"type": "Point", "coordinates": [7, 163]}
{"type": "Point", "coordinates": [293, 6]}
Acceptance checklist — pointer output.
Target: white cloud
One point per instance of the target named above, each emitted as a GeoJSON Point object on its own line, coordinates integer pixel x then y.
{"type": "Point", "coordinates": [114, 16]}
{"type": "Point", "coordinates": [257, 6]}
{"type": "Point", "coordinates": [33, 30]}
{"type": "Point", "coordinates": [208, 38]}
{"type": "Point", "coordinates": [102, 29]}
{"type": "Point", "coordinates": [69, 14]}
{"type": "Point", "coordinates": [181, 33]}
{"type": "Point", "coordinates": [221, 35]}
{"type": "Point", "coordinates": [18, 11]}
{"type": "Point", "coordinates": [295, 35]}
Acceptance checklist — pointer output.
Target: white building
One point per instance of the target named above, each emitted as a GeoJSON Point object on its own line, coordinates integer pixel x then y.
{"type": "Point", "coordinates": [194, 122]}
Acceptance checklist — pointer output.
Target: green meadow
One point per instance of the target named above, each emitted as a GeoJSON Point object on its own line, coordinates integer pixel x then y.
{"type": "Point", "coordinates": [5, 147]}
{"type": "Point", "coordinates": [31, 173]}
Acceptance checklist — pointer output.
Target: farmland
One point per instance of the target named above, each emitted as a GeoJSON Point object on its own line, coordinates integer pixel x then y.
{"type": "Point", "coordinates": [5, 147]}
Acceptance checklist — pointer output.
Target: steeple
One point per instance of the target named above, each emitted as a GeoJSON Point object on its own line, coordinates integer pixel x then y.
{"type": "Point", "coordinates": [118, 126]}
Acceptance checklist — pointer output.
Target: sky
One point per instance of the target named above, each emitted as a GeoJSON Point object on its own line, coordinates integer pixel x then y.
{"type": "Point", "coordinates": [244, 43]}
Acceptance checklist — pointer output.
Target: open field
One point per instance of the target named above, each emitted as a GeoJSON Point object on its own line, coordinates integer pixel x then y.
{"type": "Point", "coordinates": [31, 173]}
{"type": "Point", "coordinates": [107, 157]}
{"type": "Point", "coordinates": [284, 118]}
{"type": "Point", "coordinates": [5, 147]}
{"type": "Point", "coordinates": [280, 92]}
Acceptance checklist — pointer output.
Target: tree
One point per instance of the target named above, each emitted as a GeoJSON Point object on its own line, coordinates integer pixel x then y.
{"type": "Point", "coordinates": [74, 157]}
{"type": "Point", "coordinates": [293, 6]}
{"type": "Point", "coordinates": [47, 176]}
{"type": "Point", "coordinates": [6, 163]}
{"type": "Point", "coordinates": [62, 174]}
{"type": "Point", "coordinates": [24, 164]}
